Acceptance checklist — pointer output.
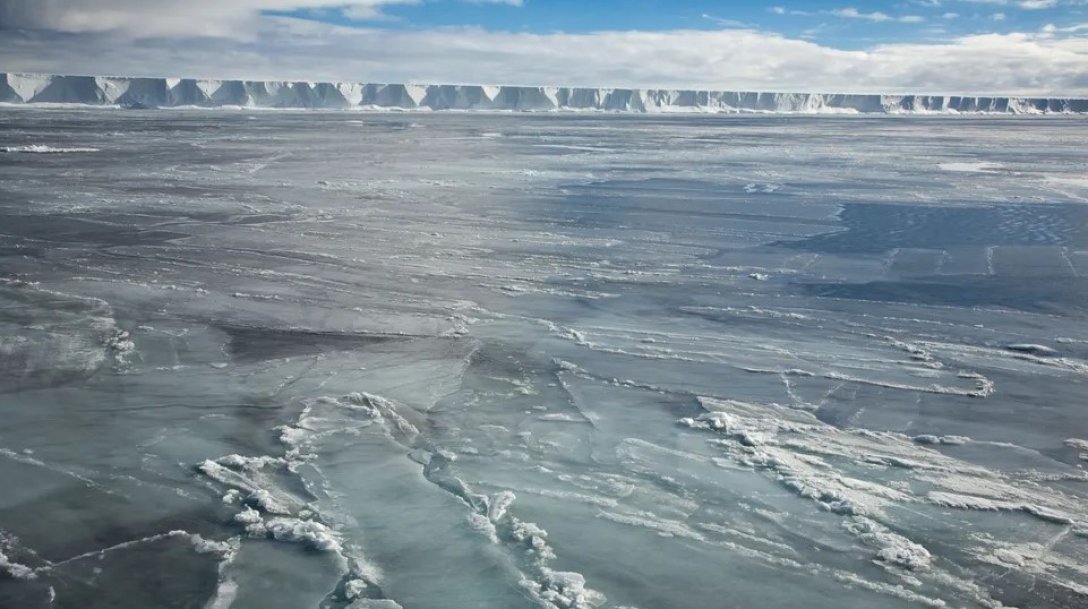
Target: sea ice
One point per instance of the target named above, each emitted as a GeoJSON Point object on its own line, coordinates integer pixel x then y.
{"type": "Point", "coordinates": [502, 361]}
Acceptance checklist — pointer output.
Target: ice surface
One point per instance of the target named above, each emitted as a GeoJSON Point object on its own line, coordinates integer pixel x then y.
{"type": "Point", "coordinates": [374, 360]}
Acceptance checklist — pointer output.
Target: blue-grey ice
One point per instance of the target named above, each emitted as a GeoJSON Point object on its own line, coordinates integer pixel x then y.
{"type": "Point", "coordinates": [254, 359]}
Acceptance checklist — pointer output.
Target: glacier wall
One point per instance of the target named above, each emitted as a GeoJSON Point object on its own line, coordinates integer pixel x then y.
{"type": "Point", "coordinates": [177, 92]}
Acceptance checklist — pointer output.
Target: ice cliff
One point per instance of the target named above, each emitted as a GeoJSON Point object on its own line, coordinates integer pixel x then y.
{"type": "Point", "coordinates": [175, 92]}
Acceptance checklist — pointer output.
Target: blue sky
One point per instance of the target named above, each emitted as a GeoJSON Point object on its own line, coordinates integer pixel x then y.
{"type": "Point", "coordinates": [851, 24]}
{"type": "Point", "coordinates": [863, 46]}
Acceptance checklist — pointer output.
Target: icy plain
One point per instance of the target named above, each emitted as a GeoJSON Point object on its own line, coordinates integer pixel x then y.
{"type": "Point", "coordinates": [256, 360]}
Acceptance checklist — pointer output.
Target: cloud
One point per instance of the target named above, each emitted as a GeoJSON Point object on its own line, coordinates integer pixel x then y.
{"type": "Point", "coordinates": [292, 49]}
{"type": "Point", "coordinates": [853, 13]}
{"type": "Point", "coordinates": [727, 23]}
{"type": "Point", "coordinates": [1024, 4]}
{"type": "Point", "coordinates": [371, 11]}
{"type": "Point", "coordinates": [850, 13]}
{"type": "Point", "coordinates": [173, 18]}
{"type": "Point", "coordinates": [1050, 28]}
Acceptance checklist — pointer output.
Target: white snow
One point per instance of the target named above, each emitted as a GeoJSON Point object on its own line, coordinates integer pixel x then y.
{"type": "Point", "coordinates": [969, 167]}
{"type": "Point", "coordinates": [892, 547]}
{"type": "Point", "coordinates": [44, 149]}
{"type": "Point", "coordinates": [1032, 349]}
{"type": "Point", "coordinates": [14, 569]}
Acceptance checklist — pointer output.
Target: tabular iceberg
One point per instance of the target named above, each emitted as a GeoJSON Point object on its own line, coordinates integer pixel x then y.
{"type": "Point", "coordinates": [174, 92]}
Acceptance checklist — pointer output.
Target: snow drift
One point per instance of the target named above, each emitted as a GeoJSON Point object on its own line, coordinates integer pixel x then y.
{"type": "Point", "coordinates": [173, 92]}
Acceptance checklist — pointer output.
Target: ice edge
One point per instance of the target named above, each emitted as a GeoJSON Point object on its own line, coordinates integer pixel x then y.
{"type": "Point", "coordinates": [175, 92]}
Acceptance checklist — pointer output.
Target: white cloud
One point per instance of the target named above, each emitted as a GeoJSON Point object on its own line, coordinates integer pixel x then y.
{"type": "Point", "coordinates": [172, 18]}
{"type": "Point", "coordinates": [1050, 28]}
{"type": "Point", "coordinates": [853, 13]}
{"type": "Point", "coordinates": [778, 10]}
{"type": "Point", "coordinates": [1027, 4]}
{"type": "Point", "coordinates": [282, 48]}
{"type": "Point", "coordinates": [998, 16]}
{"type": "Point", "coordinates": [371, 11]}
{"type": "Point", "coordinates": [727, 23]}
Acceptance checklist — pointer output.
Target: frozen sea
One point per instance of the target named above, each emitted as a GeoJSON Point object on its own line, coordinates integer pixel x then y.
{"type": "Point", "coordinates": [261, 360]}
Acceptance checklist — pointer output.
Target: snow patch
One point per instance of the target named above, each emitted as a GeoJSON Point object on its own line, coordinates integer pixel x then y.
{"type": "Point", "coordinates": [970, 167]}
{"type": "Point", "coordinates": [15, 569]}
{"type": "Point", "coordinates": [43, 149]}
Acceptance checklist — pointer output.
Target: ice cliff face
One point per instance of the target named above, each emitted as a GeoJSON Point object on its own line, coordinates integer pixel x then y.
{"type": "Point", "coordinates": [172, 92]}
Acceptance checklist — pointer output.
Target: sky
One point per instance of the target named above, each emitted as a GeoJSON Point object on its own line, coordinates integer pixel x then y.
{"type": "Point", "coordinates": [850, 46]}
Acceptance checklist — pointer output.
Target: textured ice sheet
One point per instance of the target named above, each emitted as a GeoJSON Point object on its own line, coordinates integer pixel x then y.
{"type": "Point", "coordinates": [378, 361]}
